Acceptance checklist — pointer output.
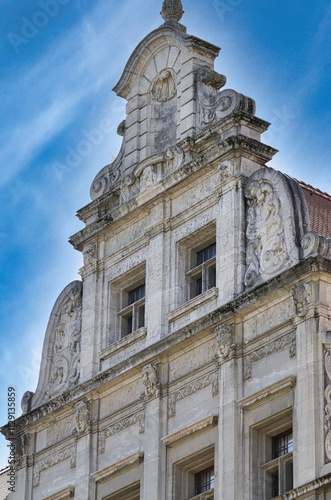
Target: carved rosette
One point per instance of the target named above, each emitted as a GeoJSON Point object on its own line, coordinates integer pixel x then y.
{"type": "Point", "coordinates": [65, 364]}
{"type": "Point", "coordinates": [82, 418]}
{"type": "Point", "coordinates": [266, 246]}
{"type": "Point", "coordinates": [151, 379]}
{"type": "Point", "coordinates": [327, 395]}
{"type": "Point", "coordinates": [301, 293]}
{"type": "Point", "coordinates": [225, 340]}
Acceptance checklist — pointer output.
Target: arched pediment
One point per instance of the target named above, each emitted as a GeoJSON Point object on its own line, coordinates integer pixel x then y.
{"type": "Point", "coordinates": [159, 50]}
{"type": "Point", "coordinates": [276, 221]}
{"type": "Point", "coordinates": [60, 363]}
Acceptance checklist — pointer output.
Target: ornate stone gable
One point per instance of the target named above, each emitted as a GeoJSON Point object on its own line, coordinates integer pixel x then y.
{"type": "Point", "coordinates": [276, 220]}
{"type": "Point", "coordinates": [60, 367]}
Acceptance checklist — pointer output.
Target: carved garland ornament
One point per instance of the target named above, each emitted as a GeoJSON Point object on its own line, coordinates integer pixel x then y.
{"type": "Point", "coordinates": [327, 394]}
{"type": "Point", "coordinates": [121, 425]}
{"type": "Point", "coordinates": [192, 388]}
{"type": "Point", "coordinates": [47, 463]}
{"type": "Point", "coordinates": [272, 347]}
{"type": "Point", "coordinates": [266, 246]}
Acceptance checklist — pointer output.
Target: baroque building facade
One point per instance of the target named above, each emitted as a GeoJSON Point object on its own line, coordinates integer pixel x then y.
{"type": "Point", "coordinates": [193, 360]}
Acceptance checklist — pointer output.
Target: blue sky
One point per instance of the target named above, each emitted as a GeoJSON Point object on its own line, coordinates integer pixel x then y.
{"type": "Point", "coordinates": [60, 59]}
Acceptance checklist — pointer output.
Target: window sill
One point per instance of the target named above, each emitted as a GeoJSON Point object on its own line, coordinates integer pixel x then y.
{"type": "Point", "coordinates": [123, 343]}
{"type": "Point", "coordinates": [193, 304]}
{"type": "Point", "coordinates": [207, 495]}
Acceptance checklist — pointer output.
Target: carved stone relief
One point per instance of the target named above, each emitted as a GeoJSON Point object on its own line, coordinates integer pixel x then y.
{"type": "Point", "coordinates": [121, 425]}
{"type": "Point", "coordinates": [151, 380]}
{"type": "Point", "coordinates": [66, 352]}
{"type": "Point", "coordinates": [47, 463]}
{"type": "Point", "coordinates": [270, 348]}
{"type": "Point", "coordinates": [266, 246]}
{"type": "Point", "coordinates": [226, 169]}
{"type": "Point", "coordinates": [224, 339]}
{"type": "Point", "coordinates": [164, 86]}
{"type": "Point", "coordinates": [301, 293]}
{"type": "Point", "coordinates": [82, 417]}
{"type": "Point", "coordinates": [327, 394]}
{"type": "Point", "coordinates": [90, 254]}
{"type": "Point", "coordinates": [191, 388]}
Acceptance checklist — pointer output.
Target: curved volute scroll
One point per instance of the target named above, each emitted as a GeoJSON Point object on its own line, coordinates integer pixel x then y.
{"type": "Point", "coordinates": [214, 105]}
{"type": "Point", "coordinates": [60, 364]}
{"type": "Point", "coordinates": [276, 220]}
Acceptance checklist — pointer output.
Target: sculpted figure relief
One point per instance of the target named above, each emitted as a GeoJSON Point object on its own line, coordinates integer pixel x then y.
{"type": "Point", "coordinates": [82, 417]}
{"type": "Point", "coordinates": [224, 339]}
{"type": "Point", "coordinates": [266, 249]}
{"type": "Point", "coordinates": [151, 379]}
{"type": "Point", "coordinates": [164, 86]}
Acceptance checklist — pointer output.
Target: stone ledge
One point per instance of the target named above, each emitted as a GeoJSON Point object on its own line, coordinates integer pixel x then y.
{"type": "Point", "coordinates": [193, 304]}
{"type": "Point", "coordinates": [63, 495]}
{"type": "Point", "coordinates": [130, 461]}
{"type": "Point", "coordinates": [314, 485]}
{"type": "Point", "coordinates": [201, 425]}
{"type": "Point", "coordinates": [123, 343]}
{"type": "Point", "coordinates": [268, 393]}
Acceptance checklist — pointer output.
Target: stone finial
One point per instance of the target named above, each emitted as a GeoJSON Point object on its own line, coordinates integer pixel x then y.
{"type": "Point", "coordinates": [172, 10]}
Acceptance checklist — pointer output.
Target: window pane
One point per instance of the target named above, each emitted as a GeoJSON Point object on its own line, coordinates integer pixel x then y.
{"type": "Point", "coordinates": [204, 481]}
{"type": "Point", "coordinates": [137, 294]}
{"type": "Point", "coordinates": [199, 286]}
{"type": "Point", "coordinates": [282, 444]}
{"type": "Point", "coordinates": [141, 316]}
{"type": "Point", "coordinates": [206, 254]}
{"type": "Point", "coordinates": [211, 277]}
{"type": "Point", "coordinates": [275, 484]}
{"type": "Point", "coordinates": [289, 476]}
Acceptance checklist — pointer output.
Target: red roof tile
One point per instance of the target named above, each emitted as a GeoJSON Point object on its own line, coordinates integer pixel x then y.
{"type": "Point", "coordinates": [319, 207]}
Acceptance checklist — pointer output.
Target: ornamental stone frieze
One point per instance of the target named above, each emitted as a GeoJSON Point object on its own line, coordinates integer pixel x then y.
{"type": "Point", "coordinates": [288, 340]}
{"type": "Point", "coordinates": [68, 453]}
{"type": "Point", "coordinates": [138, 417]}
{"type": "Point", "coordinates": [191, 388]}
